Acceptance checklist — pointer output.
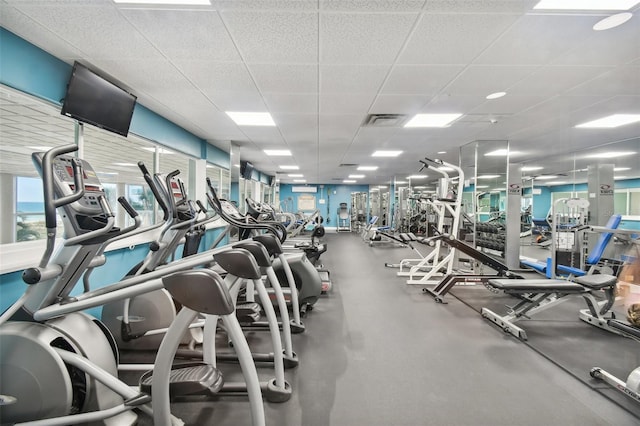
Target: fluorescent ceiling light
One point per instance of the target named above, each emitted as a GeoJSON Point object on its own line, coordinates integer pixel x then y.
{"type": "Point", "coordinates": [611, 154]}
{"type": "Point", "coordinates": [290, 167]}
{"type": "Point", "coordinates": [496, 95]}
{"type": "Point", "coordinates": [277, 152]}
{"type": "Point", "coordinates": [586, 4]}
{"type": "Point", "coordinates": [417, 177]}
{"type": "Point", "coordinates": [160, 150]}
{"type": "Point", "coordinates": [386, 153]}
{"type": "Point", "coordinates": [348, 181]}
{"type": "Point", "coordinates": [442, 152]}
{"type": "Point", "coordinates": [299, 180]}
{"type": "Point", "coordinates": [612, 21]}
{"type": "Point", "coordinates": [545, 177]}
{"type": "Point", "coordinates": [498, 153]}
{"type": "Point", "coordinates": [432, 120]}
{"type": "Point", "coordinates": [367, 168]}
{"type": "Point", "coordinates": [356, 176]}
{"type": "Point", "coordinates": [251, 118]}
{"type": "Point", "coordinates": [298, 175]}
{"type": "Point", "coordinates": [621, 169]}
{"type": "Point", "coordinates": [619, 177]}
{"type": "Point", "coordinates": [531, 168]}
{"type": "Point", "coordinates": [401, 182]}
{"type": "Point", "coordinates": [488, 176]}
{"type": "Point", "coordinates": [168, 2]}
{"type": "Point", "coordinates": [611, 121]}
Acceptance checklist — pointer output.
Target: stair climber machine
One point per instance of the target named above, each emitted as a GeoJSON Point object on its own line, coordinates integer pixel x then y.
{"type": "Point", "coordinates": [291, 268]}
{"type": "Point", "coordinates": [59, 365]}
{"type": "Point", "coordinates": [312, 248]}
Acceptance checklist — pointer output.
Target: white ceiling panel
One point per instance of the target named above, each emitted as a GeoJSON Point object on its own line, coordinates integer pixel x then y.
{"type": "Point", "coordinates": [91, 22]}
{"type": "Point", "coordinates": [538, 40]}
{"type": "Point", "coordinates": [622, 81]}
{"type": "Point", "coordinates": [347, 103]}
{"type": "Point", "coordinates": [372, 5]}
{"type": "Point", "coordinates": [341, 127]}
{"type": "Point", "coordinates": [262, 134]}
{"type": "Point", "coordinates": [185, 34]}
{"type": "Point", "coordinates": [509, 104]}
{"type": "Point", "coordinates": [274, 37]}
{"type": "Point", "coordinates": [453, 38]}
{"type": "Point", "coordinates": [352, 79]}
{"type": "Point", "coordinates": [212, 77]}
{"type": "Point", "coordinates": [292, 103]}
{"type": "Point", "coordinates": [165, 74]}
{"type": "Point", "coordinates": [452, 103]}
{"type": "Point", "coordinates": [297, 5]}
{"type": "Point", "coordinates": [398, 104]}
{"type": "Point", "coordinates": [479, 6]}
{"type": "Point", "coordinates": [553, 80]}
{"type": "Point", "coordinates": [483, 80]}
{"type": "Point", "coordinates": [420, 79]}
{"type": "Point", "coordinates": [372, 136]}
{"type": "Point", "coordinates": [363, 38]}
{"type": "Point", "coordinates": [238, 101]}
{"type": "Point", "coordinates": [298, 128]}
{"type": "Point", "coordinates": [285, 78]}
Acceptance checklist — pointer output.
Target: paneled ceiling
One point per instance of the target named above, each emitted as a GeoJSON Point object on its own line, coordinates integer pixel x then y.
{"type": "Point", "coordinates": [321, 66]}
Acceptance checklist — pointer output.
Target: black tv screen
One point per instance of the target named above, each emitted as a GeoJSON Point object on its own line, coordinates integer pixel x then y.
{"type": "Point", "coordinates": [94, 100]}
{"type": "Point", "coordinates": [246, 169]}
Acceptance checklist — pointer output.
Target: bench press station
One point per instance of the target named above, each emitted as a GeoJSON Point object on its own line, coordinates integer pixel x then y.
{"type": "Point", "coordinates": [538, 295]}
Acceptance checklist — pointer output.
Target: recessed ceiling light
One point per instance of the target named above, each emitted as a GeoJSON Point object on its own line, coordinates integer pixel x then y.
{"type": "Point", "coordinates": [367, 168]}
{"type": "Point", "coordinates": [612, 21]}
{"type": "Point", "coordinates": [611, 121]}
{"type": "Point", "coordinates": [297, 175]}
{"type": "Point", "coordinates": [531, 168]}
{"type": "Point", "coordinates": [488, 176]}
{"type": "Point", "coordinates": [125, 164]}
{"type": "Point", "coordinates": [251, 118]}
{"type": "Point", "coordinates": [160, 150]}
{"type": "Point", "coordinates": [621, 169]}
{"type": "Point", "coordinates": [386, 153]}
{"type": "Point", "coordinates": [611, 154]}
{"type": "Point", "coordinates": [356, 176]}
{"type": "Point", "coordinates": [558, 182]}
{"type": "Point", "coordinates": [545, 177]}
{"type": "Point", "coordinates": [496, 95]}
{"type": "Point", "coordinates": [619, 177]}
{"type": "Point", "coordinates": [586, 4]}
{"type": "Point", "coordinates": [348, 181]}
{"type": "Point", "coordinates": [417, 177]}
{"type": "Point", "coordinates": [168, 2]}
{"type": "Point", "coordinates": [278, 152]}
{"type": "Point", "coordinates": [432, 120]}
{"type": "Point", "coordinates": [289, 167]}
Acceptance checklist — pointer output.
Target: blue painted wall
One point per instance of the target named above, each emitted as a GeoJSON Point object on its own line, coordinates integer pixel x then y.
{"type": "Point", "coordinates": [332, 195]}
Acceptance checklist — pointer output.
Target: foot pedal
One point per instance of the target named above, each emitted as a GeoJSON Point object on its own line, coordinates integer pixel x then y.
{"type": "Point", "coordinates": [248, 312]}
{"type": "Point", "coordinates": [189, 379]}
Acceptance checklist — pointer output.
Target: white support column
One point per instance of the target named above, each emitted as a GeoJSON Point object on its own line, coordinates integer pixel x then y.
{"type": "Point", "coordinates": [7, 219]}
{"type": "Point", "coordinates": [198, 180]}
{"type": "Point", "coordinates": [513, 207]}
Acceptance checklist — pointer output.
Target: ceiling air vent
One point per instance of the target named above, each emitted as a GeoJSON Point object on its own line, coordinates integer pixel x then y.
{"type": "Point", "coordinates": [384, 120]}
{"type": "Point", "coordinates": [348, 165]}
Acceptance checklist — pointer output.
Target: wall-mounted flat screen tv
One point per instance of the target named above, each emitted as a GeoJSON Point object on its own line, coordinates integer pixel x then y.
{"type": "Point", "coordinates": [246, 169]}
{"type": "Point", "coordinates": [94, 100]}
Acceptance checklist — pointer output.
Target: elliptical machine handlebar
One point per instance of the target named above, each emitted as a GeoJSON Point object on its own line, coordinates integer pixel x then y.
{"type": "Point", "coordinates": [154, 190]}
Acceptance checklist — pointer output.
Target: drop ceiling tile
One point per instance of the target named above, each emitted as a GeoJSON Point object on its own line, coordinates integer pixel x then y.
{"type": "Point", "coordinates": [538, 40]}
{"type": "Point", "coordinates": [479, 6]}
{"type": "Point", "coordinates": [185, 34]}
{"type": "Point", "coordinates": [86, 31]}
{"type": "Point", "coordinates": [211, 77]}
{"type": "Point", "coordinates": [510, 104]}
{"type": "Point", "coordinates": [419, 79]}
{"type": "Point", "coordinates": [363, 38]}
{"type": "Point", "coordinates": [143, 74]}
{"type": "Point", "coordinates": [249, 101]}
{"type": "Point", "coordinates": [262, 135]}
{"type": "Point", "coordinates": [352, 78]}
{"type": "Point", "coordinates": [285, 78]}
{"type": "Point", "coordinates": [302, 103]}
{"type": "Point", "coordinates": [452, 103]}
{"type": "Point", "coordinates": [345, 103]}
{"type": "Point", "coordinates": [553, 80]}
{"type": "Point", "coordinates": [445, 38]}
{"type": "Point", "coordinates": [372, 5]}
{"type": "Point", "coordinates": [398, 104]}
{"type": "Point", "coordinates": [341, 127]}
{"type": "Point", "coordinates": [484, 80]}
{"type": "Point", "coordinates": [298, 128]}
{"type": "Point", "coordinates": [619, 82]}
{"type": "Point", "coordinates": [297, 5]}
{"type": "Point", "coordinates": [274, 37]}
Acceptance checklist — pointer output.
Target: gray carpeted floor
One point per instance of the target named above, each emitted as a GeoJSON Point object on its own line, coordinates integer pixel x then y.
{"type": "Point", "coordinates": [379, 352]}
